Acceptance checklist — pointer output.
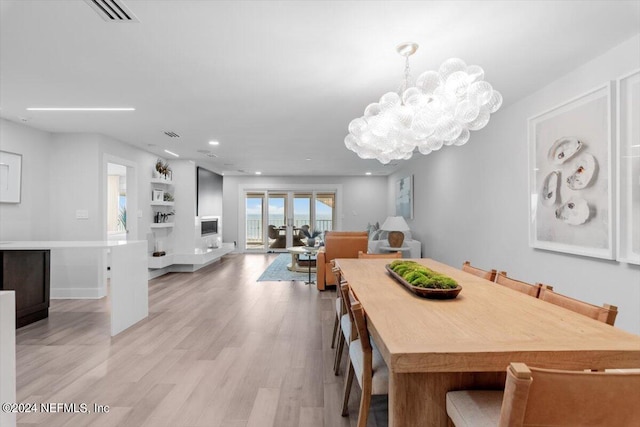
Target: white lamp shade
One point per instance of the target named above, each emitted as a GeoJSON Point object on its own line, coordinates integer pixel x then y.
{"type": "Point", "coordinates": [395, 223]}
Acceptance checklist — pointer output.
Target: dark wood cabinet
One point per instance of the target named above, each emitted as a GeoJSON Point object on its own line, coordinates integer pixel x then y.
{"type": "Point", "coordinates": [27, 273]}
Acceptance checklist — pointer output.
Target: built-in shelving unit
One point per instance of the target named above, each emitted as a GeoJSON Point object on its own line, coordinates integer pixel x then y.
{"type": "Point", "coordinates": [180, 242]}
{"type": "Point", "coordinates": [159, 188]}
{"type": "Point", "coordinates": [162, 220]}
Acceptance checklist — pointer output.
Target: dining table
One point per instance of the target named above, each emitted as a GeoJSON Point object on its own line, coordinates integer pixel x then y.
{"type": "Point", "coordinates": [434, 346]}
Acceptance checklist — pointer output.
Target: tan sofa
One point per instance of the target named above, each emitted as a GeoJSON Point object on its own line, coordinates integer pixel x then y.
{"type": "Point", "coordinates": [338, 244]}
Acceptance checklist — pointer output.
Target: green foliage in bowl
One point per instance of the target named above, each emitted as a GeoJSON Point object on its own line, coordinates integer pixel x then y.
{"type": "Point", "coordinates": [421, 276]}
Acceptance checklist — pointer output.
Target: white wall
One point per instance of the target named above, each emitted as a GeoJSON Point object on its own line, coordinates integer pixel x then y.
{"type": "Point", "coordinates": [185, 230]}
{"type": "Point", "coordinates": [363, 198]}
{"type": "Point", "coordinates": [74, 184]}
{"type": "Point", "coordinates": [29, 219]}
{"type": "Point", "coordinates": [471, 202]}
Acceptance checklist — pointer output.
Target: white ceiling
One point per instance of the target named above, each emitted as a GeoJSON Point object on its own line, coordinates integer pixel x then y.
{"type": "Point", "coordinates": [275, 82]}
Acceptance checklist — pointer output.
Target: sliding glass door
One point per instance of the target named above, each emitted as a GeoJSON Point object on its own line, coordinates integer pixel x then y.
{"type": "Point", "coordinates": [277, 230]}
{"type": "Point", "coordinates": [254, 212]}
{"type": "Point", "coordinates": [325, 211]}
{"type": "Point", "coordinates": [274, 219]}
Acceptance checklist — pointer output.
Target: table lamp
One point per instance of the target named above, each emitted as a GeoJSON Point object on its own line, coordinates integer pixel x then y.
{"type": "Point", "coordinates": [395, 225]}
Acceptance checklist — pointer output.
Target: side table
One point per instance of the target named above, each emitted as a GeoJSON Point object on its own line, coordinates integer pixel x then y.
{"type": "Point", "coordinates": [310, 251]}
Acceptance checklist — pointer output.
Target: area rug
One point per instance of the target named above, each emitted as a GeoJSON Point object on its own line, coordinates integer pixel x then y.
{"type": "Point", "coordinates": [277, 271]}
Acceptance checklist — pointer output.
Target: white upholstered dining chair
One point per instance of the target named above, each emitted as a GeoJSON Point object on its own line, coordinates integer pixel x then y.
{"type": "Point", "coordinates": [366, 365]}
{"type": "Point", "coordinates": [340, 309]}
{"type": "Point", "coordinates": [347, 331]}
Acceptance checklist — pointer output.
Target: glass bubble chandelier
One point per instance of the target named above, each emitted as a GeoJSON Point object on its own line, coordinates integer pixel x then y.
{"type": "Point", "coordinates": [442, 108]}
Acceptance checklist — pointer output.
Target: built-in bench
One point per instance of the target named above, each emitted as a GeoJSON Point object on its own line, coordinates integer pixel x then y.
{"type": "Point", "coordinates": [187, 262]}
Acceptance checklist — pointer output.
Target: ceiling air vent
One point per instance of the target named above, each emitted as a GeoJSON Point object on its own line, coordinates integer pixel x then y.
{"type": "Point", "coordinates": [171, 134]}
{"type": "Point", "coordinates": [112, 10]}
{"type": "Point", "coordinates": [207, 153]}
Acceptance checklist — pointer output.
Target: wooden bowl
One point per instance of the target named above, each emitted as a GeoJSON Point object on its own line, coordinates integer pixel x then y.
{"type": "Point", "coordinates": [430, 293]}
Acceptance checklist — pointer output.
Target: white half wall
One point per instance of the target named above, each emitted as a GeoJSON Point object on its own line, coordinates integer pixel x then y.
{"type": "Point", "coordinates": [7, 355]}
{"type": "Point", "coordinates": [471, 202]}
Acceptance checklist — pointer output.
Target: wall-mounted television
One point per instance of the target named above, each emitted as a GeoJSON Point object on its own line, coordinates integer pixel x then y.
{"type": "Point", "coordinates": [209, 192]}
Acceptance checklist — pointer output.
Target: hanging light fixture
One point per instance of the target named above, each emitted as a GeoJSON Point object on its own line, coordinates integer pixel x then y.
{"type": "Point", "coordinates": [440, 109]}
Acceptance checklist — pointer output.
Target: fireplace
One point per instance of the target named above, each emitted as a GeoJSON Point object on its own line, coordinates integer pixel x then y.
{"type": "Point", "coordinates": [209, 226]}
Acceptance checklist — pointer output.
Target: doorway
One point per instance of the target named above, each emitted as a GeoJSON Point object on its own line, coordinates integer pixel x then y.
{"type": "Point", "coordinates": [120, 213]}
{"type": "Point", "coordinates": [116, 202]}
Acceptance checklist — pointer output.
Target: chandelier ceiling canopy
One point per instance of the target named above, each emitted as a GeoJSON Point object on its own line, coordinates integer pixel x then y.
{"type": "Point", "coordinates": [440, 109]}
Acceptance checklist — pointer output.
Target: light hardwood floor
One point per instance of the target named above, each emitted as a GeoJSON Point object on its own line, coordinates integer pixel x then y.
{"type": "Point", "coordinates": [218, 349]}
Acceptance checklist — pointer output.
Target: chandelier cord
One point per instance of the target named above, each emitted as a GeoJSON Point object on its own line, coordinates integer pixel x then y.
{"type": "Point", "coordinates": [407, 76]}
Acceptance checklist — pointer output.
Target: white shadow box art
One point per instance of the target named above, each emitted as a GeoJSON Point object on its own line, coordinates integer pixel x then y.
{"type": "Point", "coordinates": [10, 177]}
{"type": "Point", "coordinates": [157, 196]}
{"type": "Point", "coordinates": [629, 168]}
{"type": "Point", "coordinates": [404, 197]}
{"type": "Point", "coordinates": [570, 176]}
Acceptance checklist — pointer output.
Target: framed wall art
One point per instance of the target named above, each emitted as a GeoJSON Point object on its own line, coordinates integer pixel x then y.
{"type": "Point", "coordinates": [10, 177]}
{"type": "Point", "coordinates": [157, 195]}
{"type": "Point", "coordinates": [628, 136]}
{"type": "Point", "coordinates": [404, 197]}
{"type": "Point", "coordinates": [570, 176]}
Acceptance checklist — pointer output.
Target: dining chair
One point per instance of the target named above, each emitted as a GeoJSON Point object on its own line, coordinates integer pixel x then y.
{"type": "Point", "coordinates": [367, 365]}
{"type": "Point", "coordinates": [489, 275]}
{"type": "Point", "coordinates": [607, 313]}
{"type": "Point", "coordinates": [547, 397]}
{"type": "Point", "coordinates": [397, 254]}
{"type": "Point", "coordinates": [347, 327]}
{"type": "Point", "coordinates": [517, 285]}
{"type": "Point", "coordinates": [340, 310]}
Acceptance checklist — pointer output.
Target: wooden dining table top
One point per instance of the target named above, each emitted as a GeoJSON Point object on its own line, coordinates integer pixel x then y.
{"type": "Point", "coordinates": [484, 329]}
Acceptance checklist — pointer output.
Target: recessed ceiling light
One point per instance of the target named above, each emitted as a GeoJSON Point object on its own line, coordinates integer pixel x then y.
{"type": "Point", "coordinates": [367, 173]}
{"type": "Point", "coordinates": [214, 143]}
{"type": "Point", "coordinates": [80, 109]}
{"type": "Point", "coordinates": [307, 159]}
{"type": "Point", "coordinates": [171, 152]}
{"type": "Point", "coordinates": [258, 173]}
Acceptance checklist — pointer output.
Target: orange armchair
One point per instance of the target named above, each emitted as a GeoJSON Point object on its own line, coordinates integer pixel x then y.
{"type": "Point", "coordinates": [338, 244]}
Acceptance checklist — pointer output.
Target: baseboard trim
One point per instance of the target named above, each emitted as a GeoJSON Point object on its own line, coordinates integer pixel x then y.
{"type": "Point", "coordinates": [78, 293]}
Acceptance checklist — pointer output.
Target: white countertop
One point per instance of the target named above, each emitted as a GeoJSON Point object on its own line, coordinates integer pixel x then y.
{"type": "Point", "coordinates": [61, 244]}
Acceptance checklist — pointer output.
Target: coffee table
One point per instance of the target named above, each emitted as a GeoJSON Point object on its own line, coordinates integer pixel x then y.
{"type": "Point", "coordinates": [295, 252]}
